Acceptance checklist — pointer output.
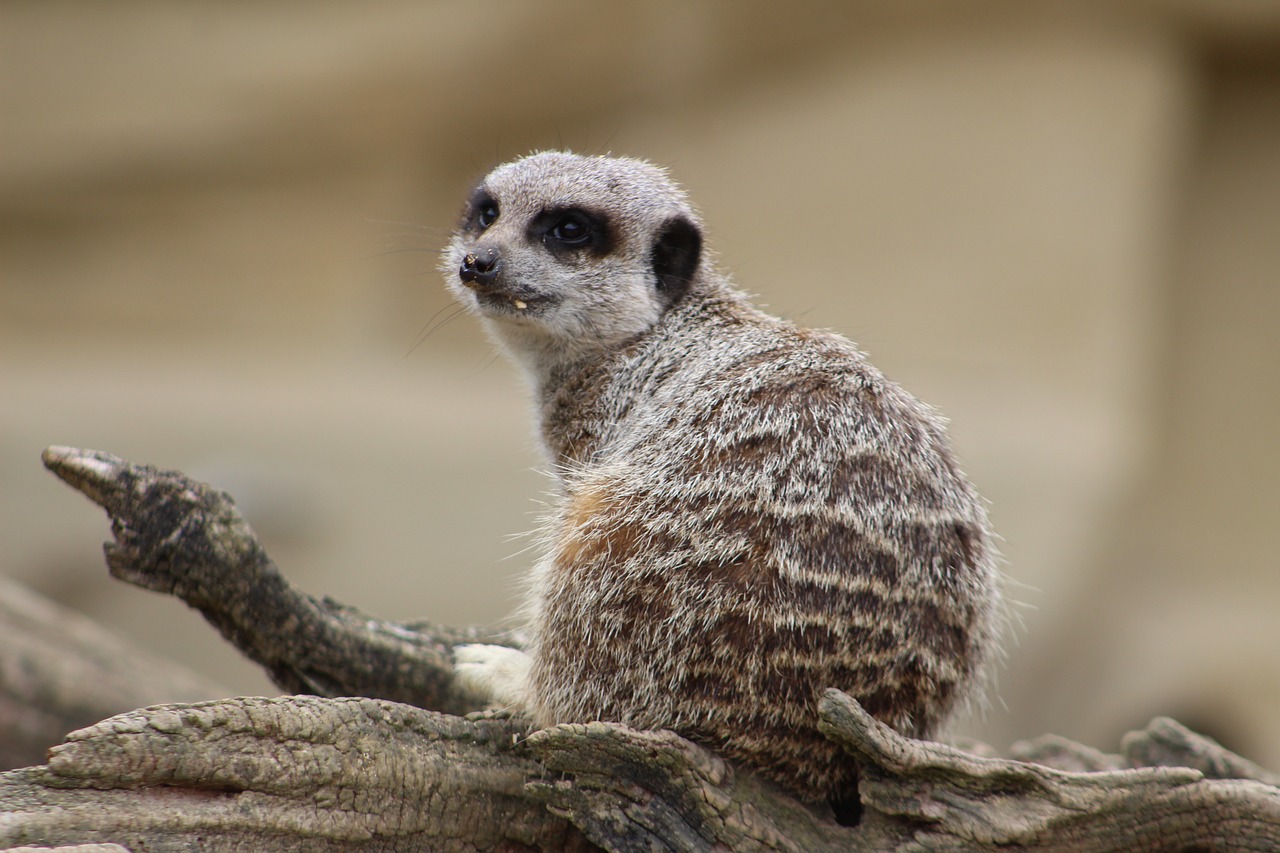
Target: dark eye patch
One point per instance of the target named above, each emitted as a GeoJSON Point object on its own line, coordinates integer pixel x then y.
{"type": "Point", "coordinates": [481, 211]}
{"type": "Point", "coordinates": [569, 230]}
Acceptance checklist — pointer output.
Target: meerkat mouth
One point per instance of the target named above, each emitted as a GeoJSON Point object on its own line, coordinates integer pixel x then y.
{"type": "Point", "coordinates": [507, 302]}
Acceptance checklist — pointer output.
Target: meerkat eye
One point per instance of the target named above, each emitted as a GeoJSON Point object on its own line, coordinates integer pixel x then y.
{"type": "Point", "coordinates": [572, 230]}
{"type": "Point", "coordinates": [487, 214]}
{"type": "Point", "coordinates": [568, 232]}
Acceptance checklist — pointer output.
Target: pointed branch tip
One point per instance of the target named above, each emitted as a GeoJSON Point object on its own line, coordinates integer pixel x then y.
{"type": "Point", "coordinates": [94, 473]}
{"type": "Point", "coordinates": [86, 463]}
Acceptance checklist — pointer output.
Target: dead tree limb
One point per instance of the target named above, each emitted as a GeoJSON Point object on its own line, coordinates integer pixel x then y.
{"type": "Point", "coordinates": [304, 772]}
{"type": "Point", "coordinates": [185, 538]}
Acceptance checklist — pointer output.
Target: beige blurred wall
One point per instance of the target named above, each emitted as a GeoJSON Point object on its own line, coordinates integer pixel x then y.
{"type": "Point", "coordinates": [1056, 222]}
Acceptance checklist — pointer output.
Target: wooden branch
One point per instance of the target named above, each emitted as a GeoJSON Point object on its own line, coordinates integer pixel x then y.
{"type": "Point", "coordinates": [297, 773]}
{"type": "Point", "coordinates": [182, 537]}
{"type": "Point", "coordinates": [955, 798]}
{"type": "Point", "coordinates": [306, 773]}
{"type": "Point", "coordinates": [313, 773]}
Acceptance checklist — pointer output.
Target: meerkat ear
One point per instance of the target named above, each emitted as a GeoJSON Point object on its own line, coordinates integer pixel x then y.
{"type": "Point", "coordinates": [676, 254]}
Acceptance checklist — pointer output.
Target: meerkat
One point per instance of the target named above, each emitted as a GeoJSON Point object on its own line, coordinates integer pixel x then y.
{"type": "Point", "coordinates": [748, 512]}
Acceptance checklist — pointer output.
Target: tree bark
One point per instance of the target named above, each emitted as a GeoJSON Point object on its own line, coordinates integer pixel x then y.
{"type": "Point", "coordinates": [383, 772]}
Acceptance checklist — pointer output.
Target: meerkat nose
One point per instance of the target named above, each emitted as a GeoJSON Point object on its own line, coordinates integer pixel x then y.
{"type": "Point", "coordinates": [480, 267]}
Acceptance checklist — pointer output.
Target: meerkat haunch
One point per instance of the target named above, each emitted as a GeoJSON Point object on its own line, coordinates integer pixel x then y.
{"type": "Point", "coordinates": [749, 512]}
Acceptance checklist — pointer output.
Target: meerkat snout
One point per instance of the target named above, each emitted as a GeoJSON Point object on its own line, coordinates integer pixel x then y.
{"type": "Point", "coordinates": [480, 267]}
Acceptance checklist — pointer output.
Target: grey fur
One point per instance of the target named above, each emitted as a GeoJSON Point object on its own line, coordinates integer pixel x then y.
{"type": "Point", "coordinates": [749, 511]}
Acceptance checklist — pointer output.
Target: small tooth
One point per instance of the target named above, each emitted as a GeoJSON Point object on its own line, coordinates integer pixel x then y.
{"type": "Point", "coordinates": [520, 306]}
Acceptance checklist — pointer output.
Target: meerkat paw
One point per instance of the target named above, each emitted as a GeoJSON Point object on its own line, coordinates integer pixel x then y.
{"type": "Point", "coordinates": [498, 672]}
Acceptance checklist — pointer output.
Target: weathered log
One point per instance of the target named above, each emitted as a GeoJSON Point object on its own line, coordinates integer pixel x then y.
{"type": "Point", "coordinates": [306, 772]}
{"type": "Point", "coordinates": [185, 538]}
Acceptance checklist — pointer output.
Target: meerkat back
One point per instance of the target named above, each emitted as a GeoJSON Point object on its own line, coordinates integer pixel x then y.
{"type": "Point", "coordinates": [749, 511]}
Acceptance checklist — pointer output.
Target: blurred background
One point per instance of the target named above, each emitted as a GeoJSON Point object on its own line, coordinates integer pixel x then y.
{"type": "Point", "coordinates": [1057, 222]}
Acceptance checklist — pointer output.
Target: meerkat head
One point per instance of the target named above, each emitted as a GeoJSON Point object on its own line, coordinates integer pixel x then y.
{"type": "Point", "coordinates": [561, 254]}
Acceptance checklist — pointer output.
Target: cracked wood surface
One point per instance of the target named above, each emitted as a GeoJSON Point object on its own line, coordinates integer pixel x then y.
{"type": "Point", "coordinates": [383, 773]}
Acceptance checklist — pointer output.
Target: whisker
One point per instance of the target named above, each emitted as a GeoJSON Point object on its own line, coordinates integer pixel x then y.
{"type": "Point", "coordinates": [488, 362]}
{"type": "Point", "coordinates": [436, 323]}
